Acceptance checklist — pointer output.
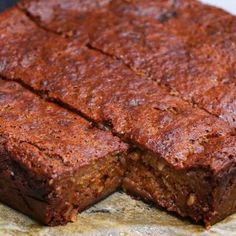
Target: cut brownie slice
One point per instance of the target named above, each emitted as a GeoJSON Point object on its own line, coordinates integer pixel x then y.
{"type": "Point", "coordinates": [194, 191]}
{"type": "Point", "coordinates": [139, 110]}
{"type": "Point", "coordinates": [53, 164]}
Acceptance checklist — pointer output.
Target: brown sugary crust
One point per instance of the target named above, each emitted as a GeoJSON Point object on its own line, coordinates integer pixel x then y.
{"type": "Point", "coordinates": [59, 17]}
{"type": "Point", "coordinates": [28, 119]}
{"type": "Point", "coordinates": [193, 52]}
{"type": "Point", "coordinates": [46, 150]}
{"type": "Point", "coordinates": [184, 45]}
{"type": "Point", "coordinates": [109, 93]}
{"type": "Point", "coordinates": [116, 68]}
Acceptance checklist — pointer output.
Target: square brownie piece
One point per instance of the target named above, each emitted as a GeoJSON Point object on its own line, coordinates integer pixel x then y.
{"type": "Point", "coordinates": [53, 164]}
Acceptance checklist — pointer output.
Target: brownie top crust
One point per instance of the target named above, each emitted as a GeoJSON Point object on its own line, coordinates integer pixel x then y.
{"type": "Point", "coordinates": [185, 45]}
{"type": "Point", "coordinates": [191, 54]}
{"type": "Point", "coordinates": [54, 14]}
{"type": "Point", "coordinates": [59, 16]}
{"type": "Point", "coordinates": [47, 139]}
{"type": "Point", "coordinates": [107, 91]}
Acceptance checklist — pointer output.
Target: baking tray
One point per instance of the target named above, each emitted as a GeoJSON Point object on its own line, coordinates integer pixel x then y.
{"type": "Point", "coordinates": [119, 214]}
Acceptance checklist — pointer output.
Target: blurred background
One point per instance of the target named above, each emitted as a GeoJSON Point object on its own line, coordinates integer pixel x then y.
{"type": "Point", "coordinates": [229, 5]}
{"type": "Point", "coordinates": [6, 3]}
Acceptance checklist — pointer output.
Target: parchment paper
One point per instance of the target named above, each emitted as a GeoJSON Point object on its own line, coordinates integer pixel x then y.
{"type": "Point", "coordinates": [117, 215]}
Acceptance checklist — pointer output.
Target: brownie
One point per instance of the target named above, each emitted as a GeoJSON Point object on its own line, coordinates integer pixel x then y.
{"type": "Point", "coordinates": [185, 45]}
{"type": "Point", "coordinates": [53, 164]}
{"type": "Point", "coordinates": [190, 68]}
{"type": "Point", "coordinates": [184, 157]}
{"type": "Point", "coordinates": [191, 191]}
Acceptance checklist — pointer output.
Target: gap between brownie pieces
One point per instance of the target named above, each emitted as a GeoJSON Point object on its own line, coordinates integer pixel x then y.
{"type": "Point", "coordinates": [171, 91]}
{"type": "Point", "coordinates": [44, 95]}
{"type": "Point", "coordinates": [89, 45]}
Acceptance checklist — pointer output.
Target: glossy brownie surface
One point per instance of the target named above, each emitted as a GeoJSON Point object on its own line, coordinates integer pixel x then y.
{"type": "Point", "coordinates": [65, 140]}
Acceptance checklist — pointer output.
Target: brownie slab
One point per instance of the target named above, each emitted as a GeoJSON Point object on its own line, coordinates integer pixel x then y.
{"type": "Point", "coordinates": [185, 45]}
{"type": "Point", "coordinates": [145, 114]}
{"type": "Point", "coordinates": [192, 65]}
{"type": "Point", "coordinates": [53, 164]}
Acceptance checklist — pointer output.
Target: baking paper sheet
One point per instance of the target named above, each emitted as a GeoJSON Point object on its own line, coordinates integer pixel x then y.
{"type": "Point", "coordinates": [117, 215]}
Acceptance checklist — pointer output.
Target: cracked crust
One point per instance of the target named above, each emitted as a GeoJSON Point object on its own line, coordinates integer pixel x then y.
{"type": "Point", "coordinates": [135, 108]}
{"type": "Point", "coordinates": [193, 65]}
{"type": "Point", "coordinates": [59, 16]}
{"type": "Point", "coordinates": [184, 45]}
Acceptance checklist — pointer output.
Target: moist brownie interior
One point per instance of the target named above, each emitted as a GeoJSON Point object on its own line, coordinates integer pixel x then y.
{"type": "Point", "coordinates": [128, 67]}
{"type": "Point", "coordinates": [196, 192]}
{"type": "Point", "coordinates": [53, 163]}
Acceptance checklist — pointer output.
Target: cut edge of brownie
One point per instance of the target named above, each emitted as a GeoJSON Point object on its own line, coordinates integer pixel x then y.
{"type": "Point", "coordinates": [195, 193]}
{"type": "Point", "coordinates": [57, 201]}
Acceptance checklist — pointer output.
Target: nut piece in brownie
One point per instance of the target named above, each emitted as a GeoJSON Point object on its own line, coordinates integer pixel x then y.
{"type": "Point", "coordinates": [53, 164]}
{"type": "Point", "coordinates": [164, 128]}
